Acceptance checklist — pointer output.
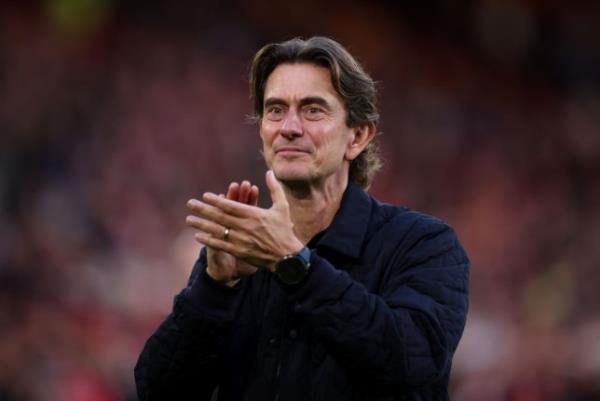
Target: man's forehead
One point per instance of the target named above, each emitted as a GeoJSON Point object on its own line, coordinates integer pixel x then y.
{"type": "Point", "coordinates": [299, 80]}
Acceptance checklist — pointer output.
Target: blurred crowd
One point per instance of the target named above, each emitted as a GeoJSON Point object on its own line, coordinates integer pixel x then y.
{"type": "Point", "coordinates": [113, 115]}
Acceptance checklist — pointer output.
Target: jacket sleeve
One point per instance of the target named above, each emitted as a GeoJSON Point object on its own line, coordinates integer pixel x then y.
{"type": "Point", "coordinates": [180, 361]}
{"type": "Point", "coordinates": [406, 334]}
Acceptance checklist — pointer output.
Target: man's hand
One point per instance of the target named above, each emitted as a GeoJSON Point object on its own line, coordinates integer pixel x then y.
{"type": "Point", "coordinates": [261, 237]}
{"type": "Point", "coordinates": [222, 266]}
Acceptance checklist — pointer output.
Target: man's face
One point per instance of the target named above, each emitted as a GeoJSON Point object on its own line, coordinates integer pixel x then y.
{"type": "Point", "coordinates": [303, 128]}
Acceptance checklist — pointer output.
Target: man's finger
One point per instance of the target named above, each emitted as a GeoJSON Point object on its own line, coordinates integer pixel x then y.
{"type": "Point", "coordinates": [244, 191]}
{"type": "Point", "coordinates": [233, 191]}
{"type": "Point", "coordinates": [215, 214]}
{"type": "Point", "coordinates": [228, 206]}
{"type": "Point", "coordinates": [207, 226]}
{"type": "Point", "coordinates": [217, 244]}
{"type": "Point", "coordinates": [253, 196]}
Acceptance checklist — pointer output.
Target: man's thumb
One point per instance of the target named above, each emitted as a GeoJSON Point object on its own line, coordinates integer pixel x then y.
{"type": "Point", "coordinates": [277, 193]}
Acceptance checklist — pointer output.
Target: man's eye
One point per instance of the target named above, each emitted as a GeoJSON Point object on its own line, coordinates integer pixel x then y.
{"type": "Point", "coordinates": [313, 112]}
{"type": "Point", "coordinates": [274, 112]}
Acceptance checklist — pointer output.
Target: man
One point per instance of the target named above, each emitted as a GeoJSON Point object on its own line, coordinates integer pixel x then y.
{"type": "Point", "coordinates": [328, 294]}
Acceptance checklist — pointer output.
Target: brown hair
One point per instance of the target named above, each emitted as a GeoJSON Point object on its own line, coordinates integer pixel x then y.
{"type": "Point", "coordinates": [351, 82]}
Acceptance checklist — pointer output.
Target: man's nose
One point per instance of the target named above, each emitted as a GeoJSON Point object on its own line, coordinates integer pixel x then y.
{"type": "Point", "coordinates": [291, 126]}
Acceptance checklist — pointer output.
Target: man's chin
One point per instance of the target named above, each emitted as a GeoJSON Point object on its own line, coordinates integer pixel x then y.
{"type": "Point", "coordinates": [291, 175]}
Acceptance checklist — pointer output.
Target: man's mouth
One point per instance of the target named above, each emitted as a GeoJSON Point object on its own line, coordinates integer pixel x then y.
{"type": "Point", "coordinates": [290, 150]}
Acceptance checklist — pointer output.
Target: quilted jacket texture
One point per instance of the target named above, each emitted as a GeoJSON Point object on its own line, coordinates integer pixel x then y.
{"type": "Point", "coordinates": [378, 318]}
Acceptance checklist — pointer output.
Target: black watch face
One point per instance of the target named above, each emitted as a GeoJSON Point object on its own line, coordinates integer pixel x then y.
{"type": "Point", "coordinates": [291, 271]}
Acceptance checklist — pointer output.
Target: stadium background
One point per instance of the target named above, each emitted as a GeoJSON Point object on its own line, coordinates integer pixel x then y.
{"type": "Point", "coordinates": [113, 114]}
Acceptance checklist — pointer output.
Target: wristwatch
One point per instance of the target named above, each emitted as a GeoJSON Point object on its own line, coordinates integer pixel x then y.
{"type": "Point", "coordinates": [292, 268]}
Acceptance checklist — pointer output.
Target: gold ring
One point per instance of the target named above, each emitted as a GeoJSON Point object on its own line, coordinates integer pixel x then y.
{"type": "Point", "coordinates": [226, 234]}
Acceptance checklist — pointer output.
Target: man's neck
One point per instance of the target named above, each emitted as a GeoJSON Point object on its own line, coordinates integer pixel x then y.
{"type": "Point", "coordinates": [313, 207]}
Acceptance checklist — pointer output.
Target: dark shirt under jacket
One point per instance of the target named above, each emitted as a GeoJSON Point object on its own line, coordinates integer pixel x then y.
{"type": "Point", "coordinates": [378, 318]}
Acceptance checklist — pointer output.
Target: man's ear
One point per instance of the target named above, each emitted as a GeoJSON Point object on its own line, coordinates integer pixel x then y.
{"type": "Point", "coordinates": [360, 138]}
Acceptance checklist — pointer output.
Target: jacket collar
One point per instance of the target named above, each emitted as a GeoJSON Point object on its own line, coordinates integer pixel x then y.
{"type": "Point", "coordinates": [347, 231]}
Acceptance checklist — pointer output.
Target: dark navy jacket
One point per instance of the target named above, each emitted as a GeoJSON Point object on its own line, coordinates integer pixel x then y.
{"type": "Point", "coordinates": [378, 318]}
